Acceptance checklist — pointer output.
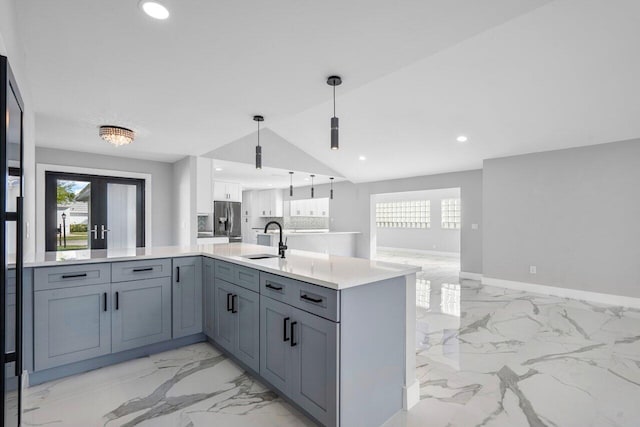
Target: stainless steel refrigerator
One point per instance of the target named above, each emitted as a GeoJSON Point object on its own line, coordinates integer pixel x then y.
{"type": "Point", "coordinates": [227, 219]}
{"type": "Point", "coordinates": [11, 196]}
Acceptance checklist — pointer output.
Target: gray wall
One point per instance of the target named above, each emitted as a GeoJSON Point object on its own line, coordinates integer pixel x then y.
{"type": "Point", "coordinates": [351, 209]}
{"type": "Point", "coordinates": [574, 214]}
{"type": "Point", "coordinates": [435, 238]}
{"type": "Point", "coordinates": [162, 221]}
{"type": "Point", "coordinates": [185, 226]}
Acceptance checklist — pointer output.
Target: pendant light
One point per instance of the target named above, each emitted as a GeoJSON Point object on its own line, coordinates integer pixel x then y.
{"type": "Point", "coordinates": [312, 176]}
{"type": "Point", "coordinates": [334, 81]}
{"type": "Point", "coordinates": [290, 184]}
{"type": "Point", "coordinates": [258, 147]}
{"type": "Point", "coordinates": [331, 191]}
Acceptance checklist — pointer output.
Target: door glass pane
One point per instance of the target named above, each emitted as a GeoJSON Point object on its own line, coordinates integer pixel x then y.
{"type": "Point", "coordinates": [73, 214]}
{"type": "Point", "coordinates": [121, 216]}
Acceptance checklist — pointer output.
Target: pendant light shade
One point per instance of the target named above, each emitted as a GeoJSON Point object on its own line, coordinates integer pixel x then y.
{"type": "Point", "coordinates": [331, 191]}
{"type": "Point", "coordinates": [290, 184]}
{"type": "Point", "coordinates": [312, 192]}
{"type": "Point", "coordinates": [335, 125]}
{"type": "Point", "coordinates": [258, 147]}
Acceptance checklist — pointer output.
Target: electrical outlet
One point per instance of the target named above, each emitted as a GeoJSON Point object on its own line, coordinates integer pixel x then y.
{"type": "Point", "coordinates": [533, 269]}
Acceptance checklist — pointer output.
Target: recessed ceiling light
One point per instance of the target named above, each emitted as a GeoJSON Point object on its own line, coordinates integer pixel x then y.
{"type": "Point", "coordinates": [218, 169]}
{"type": "Point", "coordinates": [154, 9]}
{"type": "Point", "coordinates": [362, 158]}
{"type": "Point", "coordinates": [306, 179]}
{"type": "Point", "coordinates": [462, 138]}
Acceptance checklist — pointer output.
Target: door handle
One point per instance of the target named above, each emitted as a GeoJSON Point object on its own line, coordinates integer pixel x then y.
{"type": "Point", "coordinates": [117, 300]}
{"type": "Point", "coordinates": [284, 330]}
{"type": "Point", "coordinates": [293, 334]}
{"type": "Point", "coordinates": [178, 274]}
{"type": "Point", "coordinates": [229, 302]}
{"type": "Point", "coordinates": [234, 300]}
{"type": "Point", "coordinates": [105, 302]}
{"type": "Point", "coordinates": [103, 230]}
{"type": "Point", "coordinates": [94, 231]}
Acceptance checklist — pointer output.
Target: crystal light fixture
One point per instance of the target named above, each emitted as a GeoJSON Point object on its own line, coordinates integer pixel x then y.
{"type": "Point", "coordinates": [117, 135]}
{"type": "Point", "coordinates": [258, 147]}
{"type": "Point", "coordinates": [334, 81]}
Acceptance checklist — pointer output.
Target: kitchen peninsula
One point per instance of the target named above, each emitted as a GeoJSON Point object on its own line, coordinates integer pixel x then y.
{"type": "Point", "coordinates": [333, 335]}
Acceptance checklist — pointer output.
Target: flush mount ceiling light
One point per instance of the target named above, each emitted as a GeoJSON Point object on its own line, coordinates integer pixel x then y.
{"type": "Point", "coordinates": [290, 184]}
{"type": "Point", "coordinates": [117, 135]}
{"type": "Point", "coordinates": [462, 138]}
{"type": "Point", "coordinates": [258, 147]}
{"type": "Point", "coordinates": [154, 9]}
{"type": "Point", "coordinates": [312, 195]}
{"type": "Point", "coordinates": [334, 81]}
{"type": "Point", "coordinates": [331, 191]}
{"type": "Point", "coordinates": [218, 169]}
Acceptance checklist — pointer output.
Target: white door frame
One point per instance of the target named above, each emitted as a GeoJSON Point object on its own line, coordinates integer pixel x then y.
{"type": "Point", "coordinates": [43, 168]}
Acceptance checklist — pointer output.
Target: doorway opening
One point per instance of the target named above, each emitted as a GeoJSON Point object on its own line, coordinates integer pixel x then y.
{"type": "Point", "coordinates": [93, 212]}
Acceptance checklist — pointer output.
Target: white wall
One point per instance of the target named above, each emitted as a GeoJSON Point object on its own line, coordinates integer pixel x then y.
{"type": "Point", "coordinates": [351, 209]}
{"type": "Point", "coordinates": [435, 238]}
{"type": "Point", "coordinates": [185, 225]}
{"type": "Point", "coordinates": [11, 47]}
{"type": "Point", "coordinates": [574, 214]}
{"type": "Point", "coordinates": [161, 190]}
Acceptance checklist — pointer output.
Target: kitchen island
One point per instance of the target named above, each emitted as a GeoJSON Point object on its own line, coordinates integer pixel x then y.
{"type": "Point", "coordinates": [341, 243]}
{"type": "Point", "coordinates": [333, 335]}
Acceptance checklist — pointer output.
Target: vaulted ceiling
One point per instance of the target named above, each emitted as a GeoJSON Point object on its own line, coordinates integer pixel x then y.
{"type": "Point", "coordinates": [515, 76]}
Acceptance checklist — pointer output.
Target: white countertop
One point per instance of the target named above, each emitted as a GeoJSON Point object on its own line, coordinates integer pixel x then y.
{"type": "Point", "coordinates": [331, 271]}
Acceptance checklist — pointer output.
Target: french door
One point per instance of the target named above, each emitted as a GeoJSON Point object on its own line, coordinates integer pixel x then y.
{"type": "Point", "coordinates": [93, 212]}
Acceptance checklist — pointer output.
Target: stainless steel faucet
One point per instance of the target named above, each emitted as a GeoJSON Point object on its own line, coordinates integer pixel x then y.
{"type": "Point", "coordinates": [282, 247]}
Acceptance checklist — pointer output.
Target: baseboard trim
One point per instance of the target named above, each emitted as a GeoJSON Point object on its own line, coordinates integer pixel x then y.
{"type": "Point", "coordinates": [618, 300]}
{"type": "Point", "coordinates": [471, 276]}
{"type": "Point", "coordinates": [411, 395]}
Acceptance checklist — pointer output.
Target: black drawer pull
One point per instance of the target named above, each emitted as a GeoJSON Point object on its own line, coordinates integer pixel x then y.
{"type": "Point", "coordinates": [293, 334]}
{"type": "Point", "coordinates": [284, 330]}
{"type": "Point", "coordinates": [229, 302]}
{"type": "Point", "coordinates": [73, 276]}
{"type": "Point", "coordinates": [234, 304]}
{"type": "Point", "coordinates": [275, 288]}
{"type": "Point", "coordinates": [140, 270]}
{"type": "Point", "coordinates": [177, 274]}
{"type": "Point", "coordinates": [117, 300]}
{"type": "Point", "coordinates": [308, 298]}
{"type": "Point", "coordinates": [105, 302]}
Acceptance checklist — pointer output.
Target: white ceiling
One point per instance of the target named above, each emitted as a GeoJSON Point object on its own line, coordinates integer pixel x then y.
{"type": "Point", "coordinates": [516, 76]}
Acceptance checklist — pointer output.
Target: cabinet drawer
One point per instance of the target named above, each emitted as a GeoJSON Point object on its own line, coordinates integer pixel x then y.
{"type": "Point", "coordinates": [315, 299]}
{"type": "Point", "coordinates": [224, 271]}
{"type": "Point", "coordinates": [72, 275]}
{"type": "Point", "coordinates": [247, 278]}
{"type": "Point", "coordinates": [137, 270]}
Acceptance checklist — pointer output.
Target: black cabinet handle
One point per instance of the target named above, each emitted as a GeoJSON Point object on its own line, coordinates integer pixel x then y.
{"type": "Point", "coordinates": [234, 299]}
{"type": "Point", "coordinates": [275, 288]}
{"type": "Point", "coordinates": [140, 270]}
{"type": "Point", "coordinates": [73, 276]}
{"type": "Point", "coordinates": [284, 330]}
{"type": "Point", "coordinates": [105, 302]}
{"type": "Point", "coordinates": [117, 300]}
{"type": "Point", "coordinates": [293, 334]}
{"type": "Point", "coordinates": [178, 274]}
{"type": "Point", "coordinates": [308, 298]}
{"type": "Point", "coordinates": [229, 302]}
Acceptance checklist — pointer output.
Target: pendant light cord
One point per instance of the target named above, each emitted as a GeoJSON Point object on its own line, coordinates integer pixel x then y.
{"type": "Point", "coordinates": [334, 101]}
{"type": "Point", "coordinates": [258, 134]}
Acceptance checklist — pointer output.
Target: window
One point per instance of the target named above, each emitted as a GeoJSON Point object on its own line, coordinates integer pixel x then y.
{"type": "Point", "coordinates": [451, 213]}
{"type": "Point", "coordinates": [404, 214]}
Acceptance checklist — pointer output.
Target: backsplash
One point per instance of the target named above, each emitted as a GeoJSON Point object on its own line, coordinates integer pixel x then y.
{"type": "Point", "coordinates": [306, 223]}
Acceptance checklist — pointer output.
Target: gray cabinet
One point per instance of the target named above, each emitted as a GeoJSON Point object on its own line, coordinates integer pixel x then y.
{"type": "Point", "coordinates": [208, 273]}
{"type": "Point", "coordinates": [187, 296]}
{"type": "Point", "coordinates": [71, 324]}
{"type": "Point", "coordinates": [141, 313]}
{"type": "Point", "coordinates": [299, 356]}
{"type": "Point", "coordinates": [236, 324]}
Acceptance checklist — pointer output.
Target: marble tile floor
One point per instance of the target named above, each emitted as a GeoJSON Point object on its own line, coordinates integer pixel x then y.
{"type": "Point", "coordinates": [486, 357]}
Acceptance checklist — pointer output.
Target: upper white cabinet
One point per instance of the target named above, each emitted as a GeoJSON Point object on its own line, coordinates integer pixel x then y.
{"type": "Point", "coordinates": [310, 207]}
{"type": "Point", "coordinates": [204, 182]}
{"type": "Point", "coordinates": [227, 191]}
{"type": "Point", "coordinates": [269, 203]}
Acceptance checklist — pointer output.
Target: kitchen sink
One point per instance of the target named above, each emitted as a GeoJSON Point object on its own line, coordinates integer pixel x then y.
{"type": "Point", "coordinates": [260, 256]}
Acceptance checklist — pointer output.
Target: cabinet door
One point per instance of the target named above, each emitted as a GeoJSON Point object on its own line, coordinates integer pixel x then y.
{"type": "Point", "coordinates": [277, 203]}
{"type": "Point", "coordinates": [263, 203]}
{"type": "Point", "coordinates": [314, 382]}
{"type": "Point", "coordinates": [247, 327]}
{"type": "Point", "coordinates": [71, 324]}
{"type": "Point", "coordinates": [208, 268]}
{"type": "Point", "coordinates": [187, 296]}
{"type": "Point", "coordinates": [220, 191]}
{"type": "Point", "coordinates": [275, 351]}
{"type": "Point", "coordinates": [141, 313]}
{"type": "Point", "coordinates": [235, 192]}
{"type": "Point", "coordinates": [223, 324]}
{"type": "Point", "coordinates": [204, 182]}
